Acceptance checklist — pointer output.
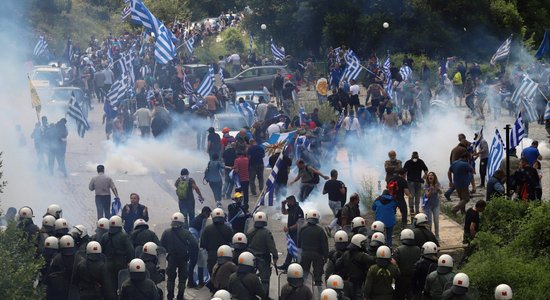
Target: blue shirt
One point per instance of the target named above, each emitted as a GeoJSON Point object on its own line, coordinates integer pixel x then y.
{"type": "Point", "coordinates": [462, 172]}
{"type": "Point", "coordinates": [384, 209]}
{"type": "Point", "coordinates": [531, 154]}
{"type": "Point", "coordinates": [256, 155]}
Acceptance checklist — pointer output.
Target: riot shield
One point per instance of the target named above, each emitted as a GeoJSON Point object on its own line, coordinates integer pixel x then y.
{"type": "Point", "coordinates": [161, 255]}
{"type": "Point", "coordinates": [123, 275]}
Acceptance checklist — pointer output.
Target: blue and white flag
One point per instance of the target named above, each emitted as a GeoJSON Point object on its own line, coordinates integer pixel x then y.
{"type": "Point", "coordinates": [544, 48]}
{"type": "Point", "coordinates": [477, 141]}
{"type": "Point", "coordinates": [250, 45]}
{"type": "Point", "coordinates": [116, 206]}
{"type": "Point", "coordinates": [75, 112]}
{"type": "Point", "coordinates": [405, 72]}
{"type": "Point", "coordinates": [247, 112]}
{"type": "Point", "coordinates": [199, 102]}
{"type": "Point", "coordinates": [389, 81]}
{"type": "Point", "coordinates": [220, 75]}
{"type": "Point", "coordinates": [547, 111]}
{"type": "Point", "coordinates": [517, 133]}
{"type": "Point", "coordinates": [302, 115]}
{"type": "Point", "coordinates": [353, 66]}
{"type": "Point", "coordinates": [270, 182]}
{"type": "Point", "coordinates": [187, 87]}
{"type": "Point", "coordinates": [496, 153]}
{"type": "Point", "coordinates": [207, 83]}
{"type": "Point", "coordinates": [530, 108]}
{"type": "Point", "coordinates": [40, 48]}
{"type": "Point", "coordinates": [503, 51]}
{"type": "Point", "coordinates": [291, 247]}
{"type": "Point", "coordinates": [281, 137]}
{"type": "Point", "coordinates": [526, 89]}
{"type": "Point", "coordinates": [337, 51]}
{"type": "Point", "coordinates": [235, 177]}
{"type": "Point", "coordinates": [126, 11]}
{"type": "Point", "coordinates": [278, 53]}
{"type": "Point", "coordinates": [165, 51]}
{"type": "Point", "coordinates": [117, 92]}
{"type": "Point", "coordinates": [110, 57]}
{"type": "Point", "coordinates": [189, 43]}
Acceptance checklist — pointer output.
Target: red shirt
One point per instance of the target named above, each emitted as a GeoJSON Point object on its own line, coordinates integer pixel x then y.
{"type": "Point", "coordinates": [241, 167]}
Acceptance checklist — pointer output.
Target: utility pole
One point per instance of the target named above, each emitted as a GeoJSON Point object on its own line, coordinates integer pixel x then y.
{"type": "Point", "coordinates": [508, 128]}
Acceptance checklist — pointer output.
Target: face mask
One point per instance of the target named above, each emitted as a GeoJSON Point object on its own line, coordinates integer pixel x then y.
{"type": "Point", "coordinates": [415, 159]}
{"type": "Point", "coordinates": [185, 177]}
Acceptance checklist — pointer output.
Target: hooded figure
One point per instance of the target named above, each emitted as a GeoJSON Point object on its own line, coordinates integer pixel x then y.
{"type": "Point", "coordinates": [92, 276]}
{"type": "Point", "coordinates": [295, 289]}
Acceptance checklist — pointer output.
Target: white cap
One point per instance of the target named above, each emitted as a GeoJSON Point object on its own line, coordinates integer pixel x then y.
{"type": "Point", "coordinates": [357, 239]}
{"type": "Point", "coordinates": [66, 241]}
{"type": "Point", "coordinates": [406, 234]}
{"type": "Point", "coordinates": [312, 214]}
{"type": "Point", "coordinates": [139, 222]}
{"type": "Point", "coordinates": [357, 222]}
{"type": "Point", "coordinates": [225, 251]}
{"type": "Point", "coordinates": [222, 295]}
{"type": "Point", "coordinates": [25, 212]}
{"type": "Point", "coordinates": [383, 252]}
{"type": "Point", "coordinates": [260, 217]}
{"type": "Point", "coordinates": [503, 292]}
{"type": "Point", "coordinates": [329, 294]}
{"type": "Point", "coordinates": [178, 217]}
{"type": "Point", "coordinates": [93, 247]}
{"type": "Point", "coordinates": [377, 226]}
{"type": "Point", "coordinates": [103, 223]}
{"type": "Point", "coordinates": [247, 259]}
{"type": "Point", "coordinates": [461, 280]}
{"type": "Point", "coordinates": [335, 282]}
{"type": "Point", "coordinates": [421, 218]}
{"type": "Point", "coordinates": [48, 221]}
{"type": "Point", "coordinates": [61, 224]}
{"type": "Point", "coordinates": [341, 237]}
{"type": "Point", "coordinates": [379, 237]}
{"type": "Point", "coordinates": [54, 210]}
{"type": "Point", "coordinates": [445, 260]}
{"type": "Point", "coordinates": [150, 248]}
{"type": "Point", "coordinates": [115, 221]}
{"type": "Point", "coordinates": [79, 231]}
{"type": "Point", "coordinates": [217, 213]}
{"type": "Point", "coordinates": [429, 248]}
{"type": "Point", "coordinates": [295, 271]}
{"type": "Point", "coordinates": [51, 242]}
{"type": "Point", "coordinates": [136, 266]}
{"type": "Point", "coordinates": [239, 238]}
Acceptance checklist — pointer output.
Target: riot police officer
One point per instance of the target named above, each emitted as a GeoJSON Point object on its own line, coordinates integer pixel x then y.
{"type": "Point", "coordinates": [223, 268]}
{"type": "Point", "coordinates": [215, 235]}
{"type": "Point", "coordinates": [101, 229]}
{"type": "Point", "coordinates": [378, 283]}
{"type": "Point", "coordinates": [141, 234]}
{"type": "Point", "coordinates": [149, 256]}
{"type": "Point", "coordinates": [295, 289]}
{"type": "Point", "coordinates": [262, 245]}
{"type": "Point", "coordinates": [459, 290]}
{"type": "Point", "coordinates": [406, 255]}
{"type": "Point", "coordinates": [244, 284]}
{"type": "Point", "coordinates": [61, 227]}
{"type": "Point", "coordinates": [312, 239]}
{"type": "Point", "coordinates": [341, 241]}
{"type": "Point", "coordinates": [93, 277]}
{"type": "Point", "coordinates": [422, 232]}
{"type": "Point", "coordinates": [61, 278]}
{"type": "Point", "coordinates": [423, 267]}
{"type": "Point", "coordinates": [240, 244]}
{"type": "Point", "coordinates": [117, 248]}
{"type": "Point", "coordinates": [138, 287]}
{"type": "Point", "coordinates": [437, 280]}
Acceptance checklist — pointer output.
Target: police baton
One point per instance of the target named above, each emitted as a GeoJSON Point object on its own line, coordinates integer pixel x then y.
{"type": "Point", "coordinates": [275, 266]}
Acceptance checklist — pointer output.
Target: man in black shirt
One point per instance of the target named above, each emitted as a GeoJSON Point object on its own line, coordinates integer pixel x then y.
{"type": "Point", "coordinates": [336, 191]}
{"type": "Point", "coordinates": [291, 208]}
{"type": "Point", "coordinates": [414, 168]}
{"type": "Point", "coordinates": [195, 228]}
{"type": "Point", "coordinates": [229, 156]}
{"type": "Point", "coordinates": [526, 180]}
{"type": "Point", "coordinates": [214, 145]}
{"type": "Point", "coordinates": [471, 227]}
{"type": "Point", "coordinates": [398, 193]}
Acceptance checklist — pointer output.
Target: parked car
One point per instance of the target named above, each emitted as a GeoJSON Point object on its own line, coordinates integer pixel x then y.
{"type": "Point", "coordinates": [55, 101]}
{"type": "Point", "coordinates": [252, 97]}
{"type": "Point", "coordinates": [46, 76]}
{"type": "Point", "coordinates": [254, 78]}
{"type": "Point", "coordinates": [234, 121]}
{"type": "Point", "coordinates": [195, 71]}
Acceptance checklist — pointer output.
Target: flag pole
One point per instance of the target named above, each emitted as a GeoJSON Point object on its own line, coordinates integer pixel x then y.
{"type": "Point", "coordinates": [510, 51]}
{"type": "Point", "coordinates": [507, 128]}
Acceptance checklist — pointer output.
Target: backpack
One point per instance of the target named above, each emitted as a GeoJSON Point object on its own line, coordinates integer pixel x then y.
{"type": "Point", "coordinates": [183, 188]}
{"type": "Point", "coordinates": [393, 187]}
{"type": "Point", "coordinates": [314, 176]}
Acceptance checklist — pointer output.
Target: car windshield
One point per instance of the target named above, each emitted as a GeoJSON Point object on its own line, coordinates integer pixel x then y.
{"type": "Point", "coordinates": [65, 94]}
{"type": "Point", "coordinates": [51, 76]}
{"type": "Point", "coordinates": [233, 122]}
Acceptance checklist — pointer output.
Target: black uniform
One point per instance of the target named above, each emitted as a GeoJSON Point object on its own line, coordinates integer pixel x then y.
{"type": "Point", "coordinates": [422, 235]}
{"type": "Point", "coordinates": [406, 256]}
{"type": "Point", "coordinates": [61, 278]}
{"type": "Point", "coordinates": [353, 267]}
{"type": "Point", "coordinates": [94, 280]}
{"type": "Point", "coordinates": [179, 242]}
{"type": "Point", "coordinates": [246, 286]}
{"type": "Point", "coordinates": [139, 290]}
{"type": "Point", "coordinates": [142, 235]}
{"type": "Point", "coordinates": [301, 292]}
{"type": "Point", "coordinates": [212, 237]}
{"type": "Point", "coordinates": [262, 245]}
{"type": "Point", "coordinates": [119, 252]}
{"type": "Point", "coordinates": [422, 268]}
{"type": "Point", "coordinates": [314, 244]}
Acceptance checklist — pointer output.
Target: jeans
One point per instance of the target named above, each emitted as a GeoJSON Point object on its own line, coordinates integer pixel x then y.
{"type": "Point", "coordinates": [201, 138]}
{"type": "Point", "coordinates": [216, 190]}
{"type": "Point", "coordinates": [321, 98]}
{"type": "Point", "coordinates": [59, 156]}
{"type": "Point", "coordinates": [432, 211]}
{"type": "Point", "coordinates": [470, 103]}
{"type": "Point", "coordinates": [244, 190]}
{"type": "Point", "coordinates": [389, 236]}
{"type": "Point", "coordinates": [256, 171]}
{"type": "Point", "coordinates": [187, 208]}
{"type": "Point", "coordinates": [464, 195]}
{"type": "Point", "coordinates": [402, 205]}
{"type": "Point", "coordinates": [191, 270]}
{"type": "Point", "coordinates": [305, 190]}
{"type": "Point", "coordinates": [229, 184]}
{"type": "Point", "coordinates": [416, 190]}
{"type": "Point", "coordinates": [335, 206]}
{"type": "Point", "coordinates": [103, 206]}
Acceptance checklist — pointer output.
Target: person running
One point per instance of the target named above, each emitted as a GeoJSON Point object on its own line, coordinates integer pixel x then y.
{"type": "Point", "coordinates": [309, 177]}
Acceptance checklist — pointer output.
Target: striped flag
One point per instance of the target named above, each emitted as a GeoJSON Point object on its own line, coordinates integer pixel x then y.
{"type": "Point", "coordinates": [291, 247]}
{"type": "Point", "coordinates": [40, 48]}
{"type": "Point", "coordinates": [278, 54]}
{"type": "Point", "coordinates": [477, 141]}
{"type": "Point", "coordinates": [116, 206]}
{"type": "Point", "coordinates": [517, 133]}
{"type": "Point", "coordinates": [220, 75]}
{"type": "Point", "coordinates": [530, 109]}
{"type": "Point", "coordinates": [165, 51]}
{"type": "Point", "coordinates": [187, 87]}
{"type": "Point", "coordinates": [250, 45]}
{"type": "Point", "coordinates": [503, 51]}
{"type": "Point", "coordinates": [547, 111]}
{"type": "Point", "coordinates": [270, 182]}
{"type": "Point", "coordinates": [389, 81]}
{"type": "Point", "coordinates": [126, 11]}
{"type": "Point", "coordinates": [117, 92]}
{"type": "Point", "coordinates": [405, 72]}
{"type": "Point", "coordinates": [189, 44]}
{"type": "Point", "coordinates": [302, 115]}
{"type": "Point", "coordinates": [353, 66]}
{"type": "Point", "coordinates": [496, 153]}
{"type": "Point", "coordinates": [247, 112]}
{"type": "Point", "coordinates": [526, 89]}
{"type": "Point", "coordinates": [75, 112]}
{"type": "Point", "coordinates": [207, 83]}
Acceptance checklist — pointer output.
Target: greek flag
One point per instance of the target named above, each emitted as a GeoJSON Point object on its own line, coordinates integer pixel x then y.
{"type": "Point", "coordinates": [291, 247]}
{"type": "Point", "coordinates": [207, 83]}
{"type": "Point", "coordinates": [189, 44]}
{"type": "Point", "coordinates": [220, 75]}
{"type": "Point", "coordinates": [250, 47]}
{"type": "Point", "coordinates": [199, 102]}
{"type": "Point", "coordinates": [145, 71]}
{"type": "Point", "coordinates": [517, 133]}
{"type": "Point", "coordinates": [526, 89]}
{"type": "Point", "coordinates": [544, 47]}
{"type": "Point", "coordinates": [126, 12]}
{"type": "Point", "coordinates": [165, 50]}
{"type": "Point", "coordinates": [477, 141]}
{"type": "Point", "coordinates": [389, 82]}
{"type": "Point", "coordinates": [125, 66]}
{"type": "Point", "coordinates": [40, 48]}
{"type": "Point", "coordinates": [247, 112]}
{"type": "Point", "coordinates": [503, 51]}
{"type": "Point", "coordinates": [496, 153]}
{"type": "Point", "coordinates": [353, 66]}
{"type": "Point", "coordinates": [235, 177]}
{"type": "Point", "coordinates": [187, 87]}
{"type": "Point", "coordinates": [405, 72]}
{"type": "Point", "coordinates": [117, 92]}
{"type": "Point", "coordinates": [530, 109]}
{"type": "Point", "coordinates": [75, 112]}
{"type": "Point", "coordinates": [110, 57]}
{"type": "Point", "coordinates": [278, 54]}
{"type": "Point", "coordinates": [302, 115]}
{"type": "Point", "coordinates": [116, 206]}
{"type": "Point", "coordinates": [270, 182]}
{"type": "Point", "coordinates": [547, 111]}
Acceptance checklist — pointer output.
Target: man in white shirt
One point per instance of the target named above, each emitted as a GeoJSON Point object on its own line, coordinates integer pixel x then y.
{"type": "Point", "coordinates": [352, 128]}
{"type": "Point", "coordinates": [275, 128]}
{"type": "Point", "coordinates": [354, 95]}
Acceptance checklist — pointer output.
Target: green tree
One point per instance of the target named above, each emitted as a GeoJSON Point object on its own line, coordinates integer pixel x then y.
{"type": "Point", "coordinates": [232, 40]}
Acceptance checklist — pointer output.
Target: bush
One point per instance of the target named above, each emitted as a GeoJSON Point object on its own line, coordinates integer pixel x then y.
{"type": "Point", "coordinates": [232, 40]}
{"type": "Point", "coordinates": [534, 233]}
{"type": "Point", "coordinates": [503, 218]}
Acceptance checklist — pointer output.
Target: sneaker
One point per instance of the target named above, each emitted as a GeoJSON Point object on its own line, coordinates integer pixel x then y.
{"type": "Point", "coordinates": [447, 197]}
{"type": "Point", "coordinates": [328, 231]}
